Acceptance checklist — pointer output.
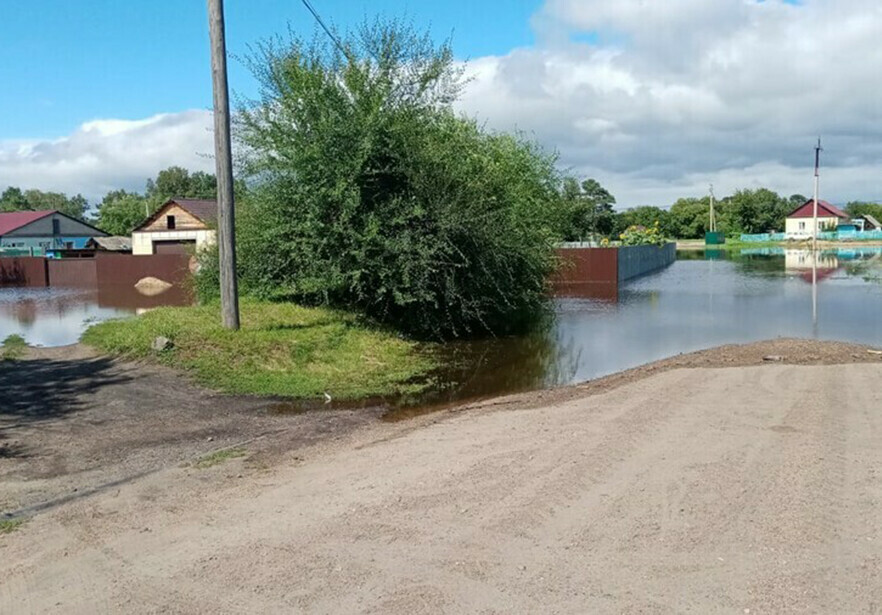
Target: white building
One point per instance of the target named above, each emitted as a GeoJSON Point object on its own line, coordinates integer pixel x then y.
{"type": "Point", "coordinates": [799, 224]}
{"type": "Point", "coordinates": [180, 226]}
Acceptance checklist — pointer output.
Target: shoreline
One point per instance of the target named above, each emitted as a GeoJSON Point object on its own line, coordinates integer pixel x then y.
{"type": "Point", "coordinates": [698, 244]}
{"type": "Point", "coordinates": [552, 500]}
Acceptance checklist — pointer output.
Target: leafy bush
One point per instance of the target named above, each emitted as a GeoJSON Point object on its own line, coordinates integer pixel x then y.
{"type": "Point", "coordinates": [643, 236]}
{"type": "Point", "coordinates": [371, 194]}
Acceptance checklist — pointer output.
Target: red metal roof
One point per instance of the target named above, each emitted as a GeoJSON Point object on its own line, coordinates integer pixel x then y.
{"type": "Point", "coordinates": [825, 210]}
{"type": "Point", "coordinates": [16, 219]}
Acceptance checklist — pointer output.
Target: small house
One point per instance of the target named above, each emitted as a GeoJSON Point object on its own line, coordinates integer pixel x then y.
{"type": "Point", "coordinates": [115, 243]}
{"type": "Point", "coordinates": [868, 223]}
{"type": "Point", "coordinates": [180, 226]}
{"type": "Point", "coordinates": [44, 230]}
{"type": "Point", "coordinates": [799, 221]}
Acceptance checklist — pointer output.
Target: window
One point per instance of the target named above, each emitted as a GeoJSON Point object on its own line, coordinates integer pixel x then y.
{"type": "Point", "coordinates": [56, 226]}
{"type": "Point", "coordinates": [802, 226]}
{"type": "Point", "coordinates": [170, 222]}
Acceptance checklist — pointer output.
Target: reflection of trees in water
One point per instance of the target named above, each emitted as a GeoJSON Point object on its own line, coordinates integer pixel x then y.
{"type": "Point", "coordinates": [505, 365]}
{"type": "Point", "coordinates": [26, 306]}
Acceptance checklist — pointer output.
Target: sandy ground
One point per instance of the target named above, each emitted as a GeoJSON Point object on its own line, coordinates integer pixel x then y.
{"type": "Point", "coordinates": [755, 488]}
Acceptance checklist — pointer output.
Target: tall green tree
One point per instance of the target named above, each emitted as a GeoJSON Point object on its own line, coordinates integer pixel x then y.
{"type": "Point", "coordinates": [372, 194]}
{"type": "Point", "coordinates": [860, 208]}
{"type": "Point", "coordinates": [756, 211]}
{"type": "Point", "coordinates": [689, 218]}
{"type": "Point", "coordinates": [120, 212]}
{"type": "Point", "coordinates": [587, 209]}
{"type": "Point", "coordinates": [647, 216]}
{"type": "Point", "coordinates": [179, 182]}
{"type": "Point", "coordinates": [14, 199]}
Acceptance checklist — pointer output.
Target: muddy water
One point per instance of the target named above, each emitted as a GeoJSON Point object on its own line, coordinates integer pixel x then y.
{"type": "Point", "coordinates": [58, 316]}
{"type": "Point", "coordinates": [703, 300]}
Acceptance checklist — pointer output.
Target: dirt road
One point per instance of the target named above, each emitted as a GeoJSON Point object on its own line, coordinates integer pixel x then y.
{"type": "Point", "coordinates": [733, 490]}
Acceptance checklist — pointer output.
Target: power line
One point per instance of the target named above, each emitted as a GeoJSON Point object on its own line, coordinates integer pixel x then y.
{"type": "Point", "coordinates": [324, 27]}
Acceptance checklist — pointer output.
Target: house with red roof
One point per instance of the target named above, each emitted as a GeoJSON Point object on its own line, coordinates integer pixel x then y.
{"type": "Point", "coordinates": [800, 221]}
{"type": "Point", "coordinates": [44, 230]}
{"type": "Point", "coordinates": [180, 226]}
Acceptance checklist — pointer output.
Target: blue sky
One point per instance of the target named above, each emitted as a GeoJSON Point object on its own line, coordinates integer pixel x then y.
{"type": "Point", "coordinates": [69, 62]}
{"type": "Point", "coordinates": [655, 99]}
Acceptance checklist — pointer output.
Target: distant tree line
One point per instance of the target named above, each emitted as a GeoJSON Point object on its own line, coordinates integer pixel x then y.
{"type": "Point", "coordinates": [14, 199]}
{"type": "Point", "coordinates": [120, 211]}
{"type": "Point", "coordinates": [587, 213]}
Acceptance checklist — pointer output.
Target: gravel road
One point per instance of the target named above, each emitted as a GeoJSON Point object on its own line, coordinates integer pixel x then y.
{"type": "Point", "coordinates": [749, 489]}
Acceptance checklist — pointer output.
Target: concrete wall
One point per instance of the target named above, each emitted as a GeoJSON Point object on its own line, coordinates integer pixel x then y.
{"type": "Point", "coordinates": [635, 261]}
{"type": "Point", "coordinates": [142, 241]}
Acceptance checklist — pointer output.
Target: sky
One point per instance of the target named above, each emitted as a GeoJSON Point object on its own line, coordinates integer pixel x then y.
{"type": "Point", "coordinates": [655, 99]}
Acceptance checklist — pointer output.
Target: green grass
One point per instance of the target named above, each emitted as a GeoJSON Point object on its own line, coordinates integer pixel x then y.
{"type": "Point", "coordinates": [215, 458]}
{"type": "Point", "coordinates": [282, 349]}
{"type": "Point", "coordinates": [7, 526]}
{"type": "Point", "coordinates": [13, 347]}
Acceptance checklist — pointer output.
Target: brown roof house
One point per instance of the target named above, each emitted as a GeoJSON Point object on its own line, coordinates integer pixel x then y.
{"type": "Point", "coordinates": [180, 226]}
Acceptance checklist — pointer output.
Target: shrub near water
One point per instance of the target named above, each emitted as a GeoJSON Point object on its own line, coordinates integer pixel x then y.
{"type": "Point", "coordinates": [282, 349]}
{"type": "Point", "coordinates": [370, 193]}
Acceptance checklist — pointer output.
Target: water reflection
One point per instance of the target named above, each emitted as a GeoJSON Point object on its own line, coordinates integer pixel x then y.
{"type": "Point", "coordinates": [704, 299]}
{"type": "Point", "coordinates": [58, 316]}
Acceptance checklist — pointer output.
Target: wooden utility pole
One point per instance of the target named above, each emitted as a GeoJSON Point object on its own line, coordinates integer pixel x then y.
{"type": "Point", "coordinates": [815, 199]}
{"type": "Point", "coordinates": [226, 236]}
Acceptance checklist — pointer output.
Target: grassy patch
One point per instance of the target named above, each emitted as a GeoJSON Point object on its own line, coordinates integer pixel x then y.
{"type": "Point", "coordinates": [13, 347]}
{"type": "Point", "coordinates": [219, 457]}
{"type": "Point", "coordinates": [281, 349]}
{"type": "Point", "coordinates": [7, 526]}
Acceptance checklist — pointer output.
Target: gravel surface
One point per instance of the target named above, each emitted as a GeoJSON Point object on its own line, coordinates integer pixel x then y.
{"type": "Point", "coordinates": [750, 488]}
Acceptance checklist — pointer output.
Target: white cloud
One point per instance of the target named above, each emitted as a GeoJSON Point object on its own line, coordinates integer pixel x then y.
{"type": "Point", "coordinates": [670, 96]}
{"type": "Point", "coordinates": [665, 97]}
{"type": "Point", "coordinates": [103, 155]}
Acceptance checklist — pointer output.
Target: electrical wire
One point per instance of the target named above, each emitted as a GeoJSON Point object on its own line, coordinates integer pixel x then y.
{"type": "Point", "coordinates": [324, 27]}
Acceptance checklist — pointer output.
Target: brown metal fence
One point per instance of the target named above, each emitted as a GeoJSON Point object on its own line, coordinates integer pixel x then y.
{"type": "Point", "coordinates": [23, 271]}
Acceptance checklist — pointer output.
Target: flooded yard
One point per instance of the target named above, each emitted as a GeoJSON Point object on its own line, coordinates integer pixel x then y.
{"type": "Point", "coordinates": [704, 299]}
{"type": "Point", "coordinates": [54, 316]}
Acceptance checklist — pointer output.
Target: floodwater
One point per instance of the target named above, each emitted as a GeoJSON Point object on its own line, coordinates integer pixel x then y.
{"type": "Point", "coordinates": [58, 316]}
{"type": "Point", "coordinates": [704, 299]}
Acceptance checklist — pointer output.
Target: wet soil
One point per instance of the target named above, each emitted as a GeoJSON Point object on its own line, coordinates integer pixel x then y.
{"type": "Point", "coordinates": [73, 422]}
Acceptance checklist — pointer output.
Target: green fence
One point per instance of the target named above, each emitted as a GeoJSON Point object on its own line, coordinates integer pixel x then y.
{"type": "Point", "coordinates": [22, 252]}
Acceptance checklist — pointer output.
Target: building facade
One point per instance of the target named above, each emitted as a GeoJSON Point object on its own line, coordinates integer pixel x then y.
{"type": "Point", "coordinates": [44, 231]}
{"type": "Point", "coordinates": [180, 226]}
{"type": "Point", "coordinates": [800, 223]}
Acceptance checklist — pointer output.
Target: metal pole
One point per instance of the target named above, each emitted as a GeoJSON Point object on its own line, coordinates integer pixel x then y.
{"type": "Point", "coordinates": [713, 218]}
{"type": "Point", "coordinates": [224, 164]}
{"type": "Point", "coordinates": [815, 200]}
